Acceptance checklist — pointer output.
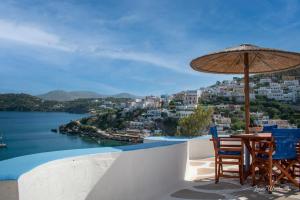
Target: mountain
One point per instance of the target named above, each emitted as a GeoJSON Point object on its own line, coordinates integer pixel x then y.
{"type": "Point", "coordinates": [125, 95]}
{"type": "Point", "coordinates": [60, 95]}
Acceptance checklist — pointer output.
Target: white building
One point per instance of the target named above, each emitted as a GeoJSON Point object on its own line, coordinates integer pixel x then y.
{"type": "Point", "coordinates": [265, 80]}
{"type": "Point", "coordinates": [165, 98]}
{"type": "Point", "coordinates": [291, 82]}
{"type": "Point", "coordinates": [241, 97]}
{"type": "Point", "coordinates": [154, 113]}
{"type": "Point", "coordinates": [291, 96]}
{"type": "Point", "coordinates": [136, 125]}
{"type": "Point", "coordinates": [183, 113]}
{"type": "Point", "coordinates": [274, 84]}
{"type": "Point", "coordinates": [186, 107]}
{"type": "Point", "coordinates": [263, 91]}
{"type": "Point", "coordinates": [294, 88]}
{"type": "Point", "coordinates": [152, 102]}
{"type": "Point", "coordinates": [276, 96]}
{"type": "Point", "coordinates": [191, 97]}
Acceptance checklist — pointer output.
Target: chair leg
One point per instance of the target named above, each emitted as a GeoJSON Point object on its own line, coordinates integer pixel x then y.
{"type": "Point", "coordinates": [253, 166]}
{"type": "Point", "coordinates": [216, 170]}
{"type": "Point", "coordinates": [219, 169]}
{"type": "Point", "coordinates": [285, 173]}
{"type": "Point", "coordinates": [270, 172]}
{"type": "Point", "coordinates": [241, 170]}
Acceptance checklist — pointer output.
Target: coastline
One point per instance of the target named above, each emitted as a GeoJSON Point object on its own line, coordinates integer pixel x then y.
{"type": "Point", "coordinates": [76, 128]}
{"type": "Point", "coordinates": [30, 132]}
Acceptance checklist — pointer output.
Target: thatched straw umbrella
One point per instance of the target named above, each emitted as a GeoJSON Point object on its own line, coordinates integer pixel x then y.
{"type": "Point", "coordinates": [245, 59]}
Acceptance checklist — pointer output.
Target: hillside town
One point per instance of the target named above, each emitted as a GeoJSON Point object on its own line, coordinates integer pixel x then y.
{"type": "Point", "coordinates": [160, 114]}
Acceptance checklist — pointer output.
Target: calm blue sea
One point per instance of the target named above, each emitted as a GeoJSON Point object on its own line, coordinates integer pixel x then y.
{"type": "Point", "coordinates": [30, 132]}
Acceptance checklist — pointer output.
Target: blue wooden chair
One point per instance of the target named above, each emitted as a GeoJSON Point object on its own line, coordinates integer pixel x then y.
{"type": "Point", "coordinates": [280, 155]}
{"type": "Point", "coordinates": [268, 128]}
{"type": "Point", "coordinates": [228, 151]}
{"type": "Point", "coordinates": [294, 133]}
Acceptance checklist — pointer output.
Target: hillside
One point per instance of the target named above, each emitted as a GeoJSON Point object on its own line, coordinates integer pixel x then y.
{"type": "Point", "coordinates": [25, 102]}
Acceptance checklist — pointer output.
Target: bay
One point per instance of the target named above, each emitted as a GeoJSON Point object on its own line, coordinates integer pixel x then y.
{"type": "Point", "coordinates": [30, 132]}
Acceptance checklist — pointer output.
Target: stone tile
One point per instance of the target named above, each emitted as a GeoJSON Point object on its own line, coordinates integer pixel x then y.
{"type": "Point", "coordinates": [191, 194]}
{"type": "Point", "coordinates": [203, 171]}
{"type": "Point", "coordinates": [219, 186]}
{"type": "Point", "coordinates": [205, 180]}
{"type": "Point", "coordinates": [208, 159]}
{"type": "Point", "coordinates": [251, 194]}
{"type": "Point", "coordinates": [195, 164]}
{"type": "Point", "coordinates": [212, 164]}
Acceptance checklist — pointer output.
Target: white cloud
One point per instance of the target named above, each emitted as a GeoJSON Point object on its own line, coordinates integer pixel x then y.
{"type": "Point", "coordinates": [31, 35]}
{"type": "Point", "coordinates": [123, 20]}
{"type": "Point", "coordinates": [140, 57]}
{"type": "Point", "coordinates": [35, 36]}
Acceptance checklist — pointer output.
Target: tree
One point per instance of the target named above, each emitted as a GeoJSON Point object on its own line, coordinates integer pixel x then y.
{"type": "Point", "coordinates": [194, 124]}
{"type": "Point", "coordinates": [238, 125]}
{"type": "Point", "coordinates": [172, 106]}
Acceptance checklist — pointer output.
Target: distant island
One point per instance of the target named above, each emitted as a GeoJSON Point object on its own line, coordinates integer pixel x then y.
{"type": "Point", "coordinates": [61, 95]}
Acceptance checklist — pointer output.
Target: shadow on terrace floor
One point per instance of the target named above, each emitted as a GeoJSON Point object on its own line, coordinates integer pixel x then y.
{"type": "Point", "coordinates": [202, 186]}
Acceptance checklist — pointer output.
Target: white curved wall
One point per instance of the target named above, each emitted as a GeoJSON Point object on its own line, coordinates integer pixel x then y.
{"type": "Point", "coordinates": [143, 174]}
{"type": "Point", "coordinates": [198, 148]}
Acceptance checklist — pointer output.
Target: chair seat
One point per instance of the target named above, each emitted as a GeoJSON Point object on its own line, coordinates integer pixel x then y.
{"type": "Point", "coordinates": [233, 153]}
{"type": "Point", "coordinates": [278, 157]}
{"type": "Point", "coordinates": [284, 157]}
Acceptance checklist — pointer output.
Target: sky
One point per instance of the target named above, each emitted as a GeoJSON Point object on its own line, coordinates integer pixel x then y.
{"type": "Point", "coordinates": [136, 46]}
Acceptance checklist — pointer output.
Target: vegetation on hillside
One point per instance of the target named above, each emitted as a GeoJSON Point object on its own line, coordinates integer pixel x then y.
{"type": "Point", "coordinates": [196, 123]}
{"type": "Point", "coordinates": [113, 119]}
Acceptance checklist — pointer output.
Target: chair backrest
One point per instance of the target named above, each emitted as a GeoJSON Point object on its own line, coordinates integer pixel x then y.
{"type": "Point", "coordinates": [285, 143]}
{"type": "Point", "coordinates": [213, 131]}
{"type": "Point", "coordinates": [269, 128]}
{"type": "Point", "coordinates": [293, 133]}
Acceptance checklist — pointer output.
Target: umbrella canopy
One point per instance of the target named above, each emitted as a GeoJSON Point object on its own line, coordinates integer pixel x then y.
{"type": "Point", "coordinates": [261, 60]}
{"type": "Point", "coordinates": [245, 59]}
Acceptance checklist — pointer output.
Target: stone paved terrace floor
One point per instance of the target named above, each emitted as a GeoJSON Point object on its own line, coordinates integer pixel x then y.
{"type": "Point", "coordinates": [200, 185]}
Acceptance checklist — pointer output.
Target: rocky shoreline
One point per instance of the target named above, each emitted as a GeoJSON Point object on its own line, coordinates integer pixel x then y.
{"type": "Point", "coordinates": [76, 128]}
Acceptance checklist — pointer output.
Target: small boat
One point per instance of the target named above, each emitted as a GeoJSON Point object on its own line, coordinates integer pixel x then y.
{"type": "Point", "coordinates": [54, 130]}
{"type": "Point", "coordinates": [2, 144]}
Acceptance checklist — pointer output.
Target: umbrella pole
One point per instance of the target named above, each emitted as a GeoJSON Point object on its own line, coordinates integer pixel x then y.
{"type": "Point", "coordinates": [246, 91]}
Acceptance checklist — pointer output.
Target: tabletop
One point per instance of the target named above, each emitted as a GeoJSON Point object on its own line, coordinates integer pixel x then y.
{"type": "Point", "coordinates": [253, 136]}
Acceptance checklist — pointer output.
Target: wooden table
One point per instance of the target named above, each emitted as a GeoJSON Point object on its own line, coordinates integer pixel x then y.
{"type": "Point", "coordinates": [246, 139]}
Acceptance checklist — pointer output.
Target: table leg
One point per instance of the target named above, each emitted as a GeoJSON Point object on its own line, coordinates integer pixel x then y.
{"type": "Point", "coordinates": [247, 152]}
